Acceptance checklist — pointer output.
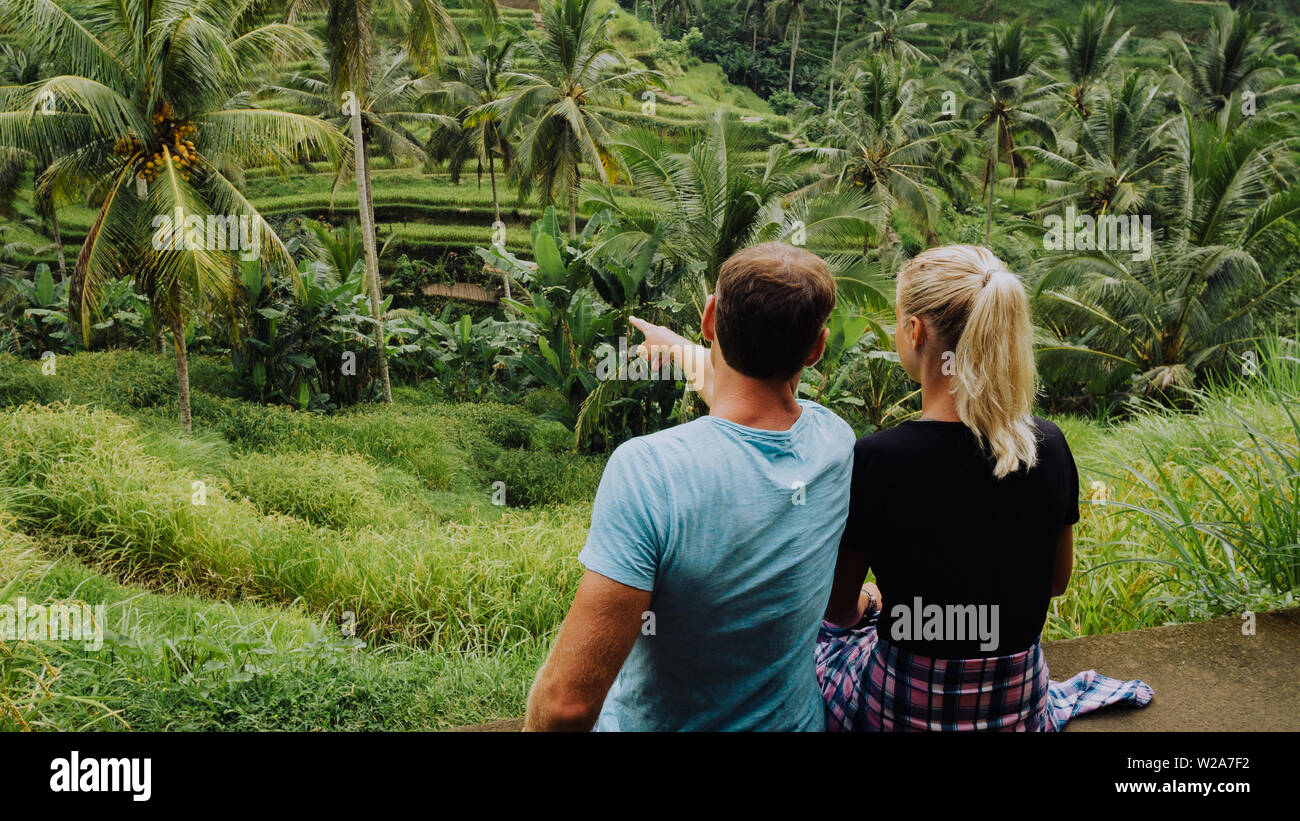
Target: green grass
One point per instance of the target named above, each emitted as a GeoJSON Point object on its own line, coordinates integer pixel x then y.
{"type": "Point", "coordinates": [1149, 18]}
{"type": "Point", "coordinates": [182, 662]}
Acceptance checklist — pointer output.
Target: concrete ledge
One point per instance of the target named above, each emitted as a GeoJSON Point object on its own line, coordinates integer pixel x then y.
{"type": "Point", "coordinates": [1206, 676]}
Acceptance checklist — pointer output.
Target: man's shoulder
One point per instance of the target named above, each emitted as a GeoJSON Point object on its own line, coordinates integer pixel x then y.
{"type": "Point", "coordinates": [831, 421]}
{"type": "Point", "coordinates": [661, 445]}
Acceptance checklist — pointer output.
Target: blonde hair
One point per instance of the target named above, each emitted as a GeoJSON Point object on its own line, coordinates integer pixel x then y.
{"type": "Point", "coordinates": [979, 307]}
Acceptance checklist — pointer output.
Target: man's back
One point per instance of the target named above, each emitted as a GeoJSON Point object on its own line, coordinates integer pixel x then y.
{"type": "Point", "coordinates": [735, 530]}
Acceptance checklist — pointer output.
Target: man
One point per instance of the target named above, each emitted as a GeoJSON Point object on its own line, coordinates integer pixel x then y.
{"type": "Point", "coordinates": [712, 544]}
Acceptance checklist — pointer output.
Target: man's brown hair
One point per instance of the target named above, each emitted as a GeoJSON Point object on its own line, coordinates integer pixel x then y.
{"type": "Point", "coordinates": [770, 304]}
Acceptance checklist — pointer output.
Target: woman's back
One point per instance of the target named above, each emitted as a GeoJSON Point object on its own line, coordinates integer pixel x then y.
{"type": "Point", "coordinates": [964, 560]}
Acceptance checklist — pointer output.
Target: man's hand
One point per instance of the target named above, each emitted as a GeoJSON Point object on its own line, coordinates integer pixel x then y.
{"type": "Point", "coordinates": [663, 344]}
{"type": "Point", "coordinates": [593, 643]}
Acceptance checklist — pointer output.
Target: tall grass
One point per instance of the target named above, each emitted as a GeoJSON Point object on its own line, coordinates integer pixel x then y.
{"type": "Point", "coordinates": [180, 662]}
{"type": "Point", "coordinates": [1207, 521]}
{"type": "Point", "coordinates": [480, 582]}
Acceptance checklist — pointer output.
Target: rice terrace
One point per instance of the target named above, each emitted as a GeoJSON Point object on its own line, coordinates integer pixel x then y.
{"type": "Point", "coordinates": [319, 327]}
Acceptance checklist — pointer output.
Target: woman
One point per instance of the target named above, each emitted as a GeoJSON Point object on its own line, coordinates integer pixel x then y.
{"type": "Point", "coordinates": [966, 517]}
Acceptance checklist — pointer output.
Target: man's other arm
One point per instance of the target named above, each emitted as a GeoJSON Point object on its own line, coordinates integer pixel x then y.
{"type": "Point", "coordinates": [593, 643]}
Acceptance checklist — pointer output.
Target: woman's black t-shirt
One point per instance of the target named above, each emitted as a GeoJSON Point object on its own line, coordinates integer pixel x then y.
{"type": "Point", "coordinates": [964, 560]}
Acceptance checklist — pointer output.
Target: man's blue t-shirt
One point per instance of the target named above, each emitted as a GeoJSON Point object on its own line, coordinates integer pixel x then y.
{"type": "Point", "coordinates": [735, 530]}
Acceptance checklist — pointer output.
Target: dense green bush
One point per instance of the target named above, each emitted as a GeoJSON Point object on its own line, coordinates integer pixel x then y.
{"type": "Point", "coordinates": [543, 401]}
{"type": "Point", "coordinates": [21, 381]}
{"type": "Point", "coordinates": [321, 487]}
{"type": "Point", "coordinates": [549, 436]}
{"type": "Point", "coordinates": [536, 478]}
{"type": "Point", "coordinates": [504, 425]}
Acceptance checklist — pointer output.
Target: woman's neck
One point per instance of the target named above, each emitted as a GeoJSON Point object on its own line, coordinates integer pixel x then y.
{"type": "Point", "coordinates": [937, 402]}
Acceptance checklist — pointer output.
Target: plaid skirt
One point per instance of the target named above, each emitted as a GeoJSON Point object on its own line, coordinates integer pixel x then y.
{"type": "Point", "coordinates": [869, 685]}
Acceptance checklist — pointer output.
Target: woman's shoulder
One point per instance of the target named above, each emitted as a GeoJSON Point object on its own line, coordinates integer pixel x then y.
{"type": "Point", "coordinates": [1048, 431]}
{"type": "Point", "coordinates": [902, 439]}
{"type": "Point", "coordinates": [1053, 449]}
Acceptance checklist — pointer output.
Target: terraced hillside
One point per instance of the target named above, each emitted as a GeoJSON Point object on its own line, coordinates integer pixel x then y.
{"type": "Point", "coordinates": [423, 215]}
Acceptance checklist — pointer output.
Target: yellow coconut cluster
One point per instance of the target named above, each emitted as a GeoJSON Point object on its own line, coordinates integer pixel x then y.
{"type": "Point", "coordinates": [176, 137]}
{"type": "Point", "coordinates": [127, 146]}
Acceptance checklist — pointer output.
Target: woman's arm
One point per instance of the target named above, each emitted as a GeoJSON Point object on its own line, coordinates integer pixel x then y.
{"type": "Point", "coordinates": [1064, 561]}
{"type": "Point", "coordinates": [661, 343]}
{"type": "Point", "coordinates": [849, 600]}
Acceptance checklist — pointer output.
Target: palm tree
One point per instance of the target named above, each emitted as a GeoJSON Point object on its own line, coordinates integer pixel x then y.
{"type": "Point", "coordinates": [677, 12]}
{"type": "Point", "coordinates": [391, 111]}
{"type": "Point", "coordinates": [22, 69]}
{"type": "Point", "coordinates": [1004, 101]}
{"type": "Point", "coordinates": [751, 12]}
{"type": "Point", "coordinates": [709, 202]}
{"type": "Point", "coordinates": [835, 49]}
{"type": "Point", "coordinates": [480, 84]}
{"type": "Point", "coordinates": [781, 15]}
{"type": "Point", "coordinates": [554, 106]}
{"type": "Point", "coordinates": [1225, 225]}
{"type": "Point", "coordinates": [885, 139]}
{"type": "Point", "coordinates": [475, 94]}
{"type": "Point", "coordinates": [1088, 51]}
{"type": "Point", "coordinates": [1235, 59]}
{"type": "Point", "coordinates": [430, 33]}
{"type": "Point", "coordinates": [150, 119]}
{"type": "Point", "coordinates": [1119, 154]}
{"type": "Point", "coordinates": [891, 26]}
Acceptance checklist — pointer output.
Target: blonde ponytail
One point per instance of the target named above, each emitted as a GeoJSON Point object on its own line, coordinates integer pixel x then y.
{"type": "Point", "coordinates": [980, 312]}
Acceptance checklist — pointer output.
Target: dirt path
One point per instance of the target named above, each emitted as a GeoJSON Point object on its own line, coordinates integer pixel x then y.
{"type": "Point", "coordinates": [1206, 676]}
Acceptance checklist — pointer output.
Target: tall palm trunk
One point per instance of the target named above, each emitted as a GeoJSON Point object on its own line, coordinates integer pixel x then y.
{"type": "Point", "coordinates": [182, 355]}
{"type": "Point", "coordinates": [573, 202]}
{"type": "Point", "coordinates": [496, 209]}
{"type": "Point", "coordinates": [47, 209]}
{"type": "Point", "coordinates": [835, 48]}
{"type": "Point", "coordinates": [58, 244]}
{"type": "Point", "coordinates": [993, 181]}
{"type": "Point", "coordinates": [366, 207]}
{"type": "Point", "coordinates": [794, 51]}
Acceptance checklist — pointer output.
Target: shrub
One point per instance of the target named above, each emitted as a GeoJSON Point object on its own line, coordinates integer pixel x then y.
{"type": "Point", "coordinates": [533, 478]}
{"type": "Point", "coordinates": [549, 436]}
{"type": "Point", "coordinates": [543, 401]}
{"type": "Point", "coordinates": [783, 102]}
{"type": "Point", "coordinates": [119, 379]}
{"type": "Point", "coordinates": [83, 475]}
{"type": "Point", "coordinates": [323, 488]}
{"type": "Point", "coordinates": [21, 381]}
{"type": "Point", "coordinates": [505, 425]}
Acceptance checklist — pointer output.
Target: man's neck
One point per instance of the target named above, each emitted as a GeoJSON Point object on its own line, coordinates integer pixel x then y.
{"type": "Point", "coordinates": [754, 403]}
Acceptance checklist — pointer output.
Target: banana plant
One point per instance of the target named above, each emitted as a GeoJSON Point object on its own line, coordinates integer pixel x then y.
{"type": "Point", "coordinates": [305, 339]}
{"type": "Point", "coordinates": [44, 323]}
{"type": "Point", "coordinates": [560, 305]}
{"type": "Point", "coordinates": [853, 336]}
{"type": "Point", "coordinates": [471, 357]}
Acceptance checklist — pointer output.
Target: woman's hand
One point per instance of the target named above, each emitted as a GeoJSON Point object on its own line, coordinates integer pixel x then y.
{"type": "Point", "coordinates": [662, 344]}
{"type": "Point", "coordinates": [869, 600]}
